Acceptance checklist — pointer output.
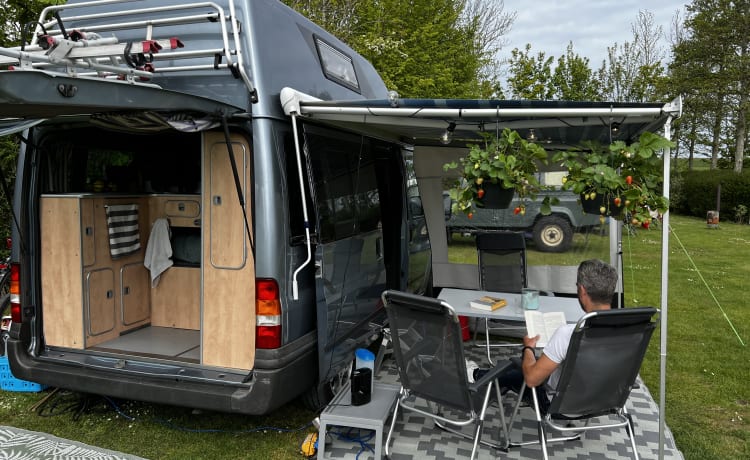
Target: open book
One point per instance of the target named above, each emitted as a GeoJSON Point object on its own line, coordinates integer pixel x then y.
{"type": "Point", "coordinates": [543, 324]}
{"type": "Point", "coordinates": [488, 303]}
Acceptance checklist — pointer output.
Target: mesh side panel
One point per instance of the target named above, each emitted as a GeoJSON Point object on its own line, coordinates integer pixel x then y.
{"type": "Point", "coordinates": [428, 351]}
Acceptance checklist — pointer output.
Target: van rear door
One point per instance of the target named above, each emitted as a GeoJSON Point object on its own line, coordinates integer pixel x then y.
{"type": "Point", "coordinates": [40, 95]}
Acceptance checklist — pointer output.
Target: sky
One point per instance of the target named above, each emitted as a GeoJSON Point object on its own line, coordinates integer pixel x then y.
{"type": "Point", "coordinates": [592, 25]}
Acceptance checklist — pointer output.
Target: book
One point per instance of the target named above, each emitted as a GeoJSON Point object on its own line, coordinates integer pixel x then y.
{"type": "Point", "coordinates": [488, 303]}
{"type": "Point", "coordinates": [543, 324]}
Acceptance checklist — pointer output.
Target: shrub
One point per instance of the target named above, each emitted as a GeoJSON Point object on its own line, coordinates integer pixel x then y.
{"type": "Point", "coordinates": [696, 191]}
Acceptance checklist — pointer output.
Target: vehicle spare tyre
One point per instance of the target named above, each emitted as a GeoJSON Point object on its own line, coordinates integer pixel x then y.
{"type": "Point", "coordinates": [553, 234]}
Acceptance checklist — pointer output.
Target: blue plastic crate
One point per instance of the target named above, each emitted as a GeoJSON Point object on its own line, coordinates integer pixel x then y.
{"type": "Point", "coordinates": [10, 383]}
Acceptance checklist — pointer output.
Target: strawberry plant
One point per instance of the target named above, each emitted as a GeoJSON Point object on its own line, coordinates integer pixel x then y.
{"type": "Point", "coordinates": [627, 178]}
{"type": "Point", "coordinates": [505, 159]}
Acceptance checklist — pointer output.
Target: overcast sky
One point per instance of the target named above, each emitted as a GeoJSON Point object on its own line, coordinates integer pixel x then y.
{"type": "Point", "coordinates": [592, 25]}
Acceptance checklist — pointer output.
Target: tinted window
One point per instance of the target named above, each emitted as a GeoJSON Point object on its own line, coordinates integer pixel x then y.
{"type": "Point", "coordinates": [346, 189]}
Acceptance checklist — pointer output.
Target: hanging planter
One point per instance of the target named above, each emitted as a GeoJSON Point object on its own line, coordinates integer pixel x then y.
{"type": "Point", "coordinates": [496, 196]}
{"type": "Point", "coordinates": [620, 181]}
{"type": "Point", "coordinates": [506, 165]}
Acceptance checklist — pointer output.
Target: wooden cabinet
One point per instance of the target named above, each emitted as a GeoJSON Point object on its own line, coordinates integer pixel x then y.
{"type": "Point", "coordinates": [89, 296]}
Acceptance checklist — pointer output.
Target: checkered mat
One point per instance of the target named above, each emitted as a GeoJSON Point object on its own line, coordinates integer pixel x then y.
{"type": "Point", "coordinates": [416, 437]}
{"type": "Point", "coordinates": [16, 443]}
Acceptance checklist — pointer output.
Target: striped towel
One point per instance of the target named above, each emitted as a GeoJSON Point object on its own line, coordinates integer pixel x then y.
{"type": "Point", "coordinates": [122, 221]}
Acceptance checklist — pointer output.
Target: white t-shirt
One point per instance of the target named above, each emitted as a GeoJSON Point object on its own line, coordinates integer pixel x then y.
{"type": "Point", "coordinates": [556, 349]}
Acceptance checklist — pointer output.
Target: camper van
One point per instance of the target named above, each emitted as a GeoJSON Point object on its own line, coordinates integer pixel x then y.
{"type": "Point", "coordinates": [178, 237]}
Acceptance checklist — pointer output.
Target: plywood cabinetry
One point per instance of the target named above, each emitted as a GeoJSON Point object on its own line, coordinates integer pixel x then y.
{"type": "Point", "coordinates": [228, 323]}
{"type": "Point", "coordinates": [85, 299]}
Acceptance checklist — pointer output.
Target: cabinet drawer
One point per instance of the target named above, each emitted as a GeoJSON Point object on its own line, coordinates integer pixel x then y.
{"type": "Point", "coordinates": [182, 208]}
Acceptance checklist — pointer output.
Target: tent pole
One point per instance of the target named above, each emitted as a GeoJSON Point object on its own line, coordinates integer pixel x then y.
{"type": "Point", "coordinates": [664, 295]}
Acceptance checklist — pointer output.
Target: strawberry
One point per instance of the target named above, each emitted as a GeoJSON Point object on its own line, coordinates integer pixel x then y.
{"type": "Point", "coordinates": [617, 201]}
{"type": "Point", "coordinates": [602, 210]}
{"type": "Point", "coordinates": [470, 215]}
{"type": "Point", "coordinates": [480, 193]}
{"type": "Point", "coordinates": [629, 180]}
{"type": "Point", "coordinates": [645, 224]}
{"type": "Point", "coordinates": [517, 210]}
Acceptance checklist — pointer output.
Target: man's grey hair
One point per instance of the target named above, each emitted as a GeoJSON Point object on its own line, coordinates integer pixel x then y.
{"type": "Point", "coordinates": [600, 280]}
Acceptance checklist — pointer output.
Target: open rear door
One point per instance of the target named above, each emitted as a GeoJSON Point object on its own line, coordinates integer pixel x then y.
{"type": "Point", "coordinates": [41, 95]}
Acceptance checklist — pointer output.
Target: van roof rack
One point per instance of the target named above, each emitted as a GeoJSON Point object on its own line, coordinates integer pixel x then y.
{"type": "Point", "coordinates": [70, 44]}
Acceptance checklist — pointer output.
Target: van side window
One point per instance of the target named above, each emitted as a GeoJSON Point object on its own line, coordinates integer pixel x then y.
{"type": "Point", "coordinates": [296, 216]}
{"type": "Point", "coordinates": [346, 189]}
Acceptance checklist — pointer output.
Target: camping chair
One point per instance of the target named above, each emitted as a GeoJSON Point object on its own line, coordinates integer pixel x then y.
{"type": "Point", "coordinates": [502, 268]}
{"type": "Point", "coordinates": [599, 371]}
{"type": "Point", "coordinates": [429, 354]}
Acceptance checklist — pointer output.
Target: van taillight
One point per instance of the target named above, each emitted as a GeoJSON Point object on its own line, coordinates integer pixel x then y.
{"type": "Point", "coordinates": [15, 293]}
{"type": "Point", "coordinates": [267, 314]}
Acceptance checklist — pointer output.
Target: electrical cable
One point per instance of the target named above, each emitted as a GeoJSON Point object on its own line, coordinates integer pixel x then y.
{"type": "Point", "coordinates": [176, 427]}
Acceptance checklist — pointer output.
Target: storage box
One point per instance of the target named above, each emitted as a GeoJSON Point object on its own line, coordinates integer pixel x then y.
{"type": "Point", "coordinates": [10, 383]}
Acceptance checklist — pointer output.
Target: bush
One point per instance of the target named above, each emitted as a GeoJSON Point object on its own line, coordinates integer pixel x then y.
{"type": "Point", "coordinates": [696, 192]}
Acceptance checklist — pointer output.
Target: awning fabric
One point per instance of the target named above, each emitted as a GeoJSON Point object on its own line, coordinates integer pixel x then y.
{"type": "Point", "coordinates": [421, 122]}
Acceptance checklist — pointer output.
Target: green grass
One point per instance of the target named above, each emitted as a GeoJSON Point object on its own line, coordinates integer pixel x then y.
{"type": "Point", "coordinates": [707, 402]}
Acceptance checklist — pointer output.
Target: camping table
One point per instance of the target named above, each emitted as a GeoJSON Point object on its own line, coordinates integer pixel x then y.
{"type": "Point", "coordinates": [371, 416]}
{"type": "Point", "coordinates": [459, 299]}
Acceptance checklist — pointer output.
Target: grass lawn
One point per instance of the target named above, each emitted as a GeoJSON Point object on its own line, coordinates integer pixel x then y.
{"type": "Point", "coordinates": [707, 393]}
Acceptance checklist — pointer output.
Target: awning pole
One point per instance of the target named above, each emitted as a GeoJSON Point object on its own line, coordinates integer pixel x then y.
{"type": "Point", "coordinates": [664, 294]}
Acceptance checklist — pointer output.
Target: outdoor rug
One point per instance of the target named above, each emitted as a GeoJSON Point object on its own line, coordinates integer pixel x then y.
{"type": "Point", "coordinates": [416, 438]}
{"type": "Point", "coordinates": [18, 444]}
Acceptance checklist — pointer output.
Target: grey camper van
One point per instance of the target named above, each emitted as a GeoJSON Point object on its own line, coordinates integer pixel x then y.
{"type": "Point", "coordinates": [155, 127]}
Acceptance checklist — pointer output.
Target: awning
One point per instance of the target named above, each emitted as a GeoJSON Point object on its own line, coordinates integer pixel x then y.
{"type": "Point", "coordinates": [422, 122]}
{"type": "Point", "coordinates": [33, 94]}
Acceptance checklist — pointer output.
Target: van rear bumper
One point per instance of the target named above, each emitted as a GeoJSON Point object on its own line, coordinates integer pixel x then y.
{"type": "Point", "coordinates": [269, 387]}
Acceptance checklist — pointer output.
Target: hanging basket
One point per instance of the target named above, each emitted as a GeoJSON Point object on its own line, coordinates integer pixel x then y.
{"type": "Point", "coordinates": [496, 196]}
{"type": "Point", "coordinates": [594, 206]}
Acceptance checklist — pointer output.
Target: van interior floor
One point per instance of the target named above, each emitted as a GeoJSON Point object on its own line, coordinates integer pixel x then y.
{"type": "Point", "coordinates": [157, 342]}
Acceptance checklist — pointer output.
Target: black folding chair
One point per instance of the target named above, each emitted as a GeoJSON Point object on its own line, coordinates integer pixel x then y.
{"type": "Point", "coordinates": [429, 353]}
{"type": "Point", "coordinates": [502, 268]}
{"type": "Point", "coordinates": [599, 371]}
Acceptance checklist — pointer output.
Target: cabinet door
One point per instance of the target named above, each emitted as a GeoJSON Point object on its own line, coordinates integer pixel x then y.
{"type": "Point", "coordinates": [100, 301]}
{"type": "Point", "coordinates": [134, 293]}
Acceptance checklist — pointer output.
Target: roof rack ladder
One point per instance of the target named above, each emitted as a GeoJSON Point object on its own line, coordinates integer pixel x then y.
{"type": "Point", "coordinates": [84, 52]}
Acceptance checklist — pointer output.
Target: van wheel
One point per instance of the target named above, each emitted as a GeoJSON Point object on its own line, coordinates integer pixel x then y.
{"type": "Point", "coordinates": [553, 234]}
{"type": "Point", "coordinates": [318, 396]}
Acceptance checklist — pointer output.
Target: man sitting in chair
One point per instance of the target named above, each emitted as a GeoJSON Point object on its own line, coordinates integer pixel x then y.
{"type": "Point", "coordinates": [595, 285]}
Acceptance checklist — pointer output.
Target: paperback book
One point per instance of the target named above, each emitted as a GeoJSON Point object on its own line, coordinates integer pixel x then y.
{"type": "Point", "coordinates": [543, 324]}
{"type": "Point", "coordinates": [488, 303]}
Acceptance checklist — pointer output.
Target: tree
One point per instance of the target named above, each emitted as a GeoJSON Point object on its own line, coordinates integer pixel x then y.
{"type": "Point", "coordinates": [713, 62]}
{"type": "Point", "coordinates": [573, 79]}
{"type": "Point", "coordinates": [530, 76]}
{"type": "Point", "coordinates": [633, 71]}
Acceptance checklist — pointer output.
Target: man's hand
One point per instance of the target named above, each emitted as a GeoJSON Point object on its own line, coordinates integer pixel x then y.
{"type": "Point", "coordinates": [530, 341]}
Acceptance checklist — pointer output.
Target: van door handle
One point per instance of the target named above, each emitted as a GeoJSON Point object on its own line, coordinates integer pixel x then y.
{"type": "Point", "coordinates": [318, 269]}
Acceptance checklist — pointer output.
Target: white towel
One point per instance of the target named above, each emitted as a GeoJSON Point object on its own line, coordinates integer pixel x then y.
{"type": "Point", "coordinates": [158, 256]}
